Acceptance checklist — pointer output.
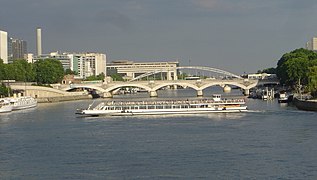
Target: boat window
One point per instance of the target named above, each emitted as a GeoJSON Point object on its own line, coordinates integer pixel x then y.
{"type": "Point", "coordinates": [168, 107]}
{"type": "Point", "coordinates": [111, 108]}
{"type": "Point", "coordinates": [118, 108]}
{"type": "Point", "coordinates": [184, 106]}
{"type": "Point", "coordinates": [176, 107]}
{"type": "Point", "coordinates": [159, 107]}
{"type": "Point", "coordinates": [151, 107]}
{"type": "Point", "coordinates": [193, 106]}
{"type": "Point", "coordinates": [136, 107]}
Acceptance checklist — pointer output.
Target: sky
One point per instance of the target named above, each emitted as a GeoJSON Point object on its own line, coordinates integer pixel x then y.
{"type": "Point", "coordinates": [234, 35]}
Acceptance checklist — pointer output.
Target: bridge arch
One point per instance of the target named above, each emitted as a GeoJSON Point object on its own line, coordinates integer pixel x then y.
{"type": "Point", "coordinates": [211, 69]}
{"type": "Point", "coordinates": [100, 89]}
{"type": "Point", "coordinates": [222, 84]}
{"type": "Point", "coordinates": [109, 89]}
{"type": "Point", "coordinates": [157, 87]}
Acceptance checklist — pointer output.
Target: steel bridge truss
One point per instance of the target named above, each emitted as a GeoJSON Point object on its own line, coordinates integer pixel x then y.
{"type": "Point", "coordinates": [210, 69]}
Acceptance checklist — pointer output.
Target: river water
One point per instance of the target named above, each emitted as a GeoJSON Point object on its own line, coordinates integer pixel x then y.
{"type": "Point", "coordinates": [272, 141]}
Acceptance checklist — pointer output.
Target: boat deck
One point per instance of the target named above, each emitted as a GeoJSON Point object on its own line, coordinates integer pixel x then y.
{"type": "Point", "coordinates": [177, 102]}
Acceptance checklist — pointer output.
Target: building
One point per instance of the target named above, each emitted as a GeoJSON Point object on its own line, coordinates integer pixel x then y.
{"type": "Point", "coordinates": [17, 49]}
{"type": "Point", "coordinates": [30, 57]}
{"type": "Point", "coordinates": [4, 46]}
{"type": "Point", "coordinates": [312, 44]}
{"type": "Point", "coordinates": [38, 41]}
{"type": "Point", "coordinates": [96, 63]}
{"type": "Point", "coordinates": [63, 58]}
{"type": "Point", "coordinates": [85, 64]}
{"type": "Point", "coordinates": [129, 69]}
{"type": "Point", "coordinates": [89, 64]}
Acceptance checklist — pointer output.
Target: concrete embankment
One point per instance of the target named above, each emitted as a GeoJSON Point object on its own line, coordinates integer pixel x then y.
{"type": "Point", "coordinates": [62, 98]}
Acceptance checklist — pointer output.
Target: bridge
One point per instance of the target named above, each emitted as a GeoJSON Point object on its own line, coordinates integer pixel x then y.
{"type": "Point", "coordinates": [106, 90]}
{"type": "Point", "coordinates": [152, 86]}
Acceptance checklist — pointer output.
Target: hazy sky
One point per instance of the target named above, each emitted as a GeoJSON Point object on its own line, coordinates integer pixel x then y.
{"type": "Point", "coordinates": [234, 35]}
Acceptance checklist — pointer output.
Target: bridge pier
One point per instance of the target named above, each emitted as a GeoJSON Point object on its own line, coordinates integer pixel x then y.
{"type": "Point", "coordinates": [153, 94]}
{"type": "Point", "coordinates": [246, 92]}
{"type": "Point", "coordinates": [199, 93]}
{"type": "Point", "coordinates": [107, 95]}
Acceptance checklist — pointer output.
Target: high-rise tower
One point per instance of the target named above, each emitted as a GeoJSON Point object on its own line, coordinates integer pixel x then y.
{"type": "Point", "coordinates": [39, 41]}
{"type": "Point", "coordinates": [4, 46]}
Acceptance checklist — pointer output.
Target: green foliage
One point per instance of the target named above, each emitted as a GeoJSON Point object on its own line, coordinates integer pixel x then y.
{"type": "Point", "coordinates": [312, 78]}
{"type": "Point", "coordinates": [4, 91]}
{"type": "Point", "coordinates": [2, 70]}
{"type": "Point", "coordinates": [268, 70]}
{"type": "Point", "coordinates": [19, 70]}
{"type": "Point", "coordinates": [69, 71]}
{"type": "Point", "coordinates": [101, 77]}
{"type": "Point", "coordinates": [182, 76]}
{"type": "Point", "coordinates": [116, 77]}
{"type": "Point", "coordinates": [48, 71]}
{"type": "Point", "coordinates": [297, 66]}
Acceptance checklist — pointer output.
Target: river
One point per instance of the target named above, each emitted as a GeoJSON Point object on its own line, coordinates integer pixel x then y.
{"type": "Point", "coordinates": [271, 141]}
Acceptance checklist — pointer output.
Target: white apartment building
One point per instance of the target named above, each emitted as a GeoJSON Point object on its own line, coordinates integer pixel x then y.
{"type": "Point", "coordinates": [312, 44]}
{"type": "Point", "coordinates": [129, 69]}
{"type": "Point", "coordinates": [4, 46]}
{"type": "Point", "coordinates": [85, 64]}
{"type": "Point", "coordinates": [88, 64]}
{"type": "Point", "coordinates": [95, 63]}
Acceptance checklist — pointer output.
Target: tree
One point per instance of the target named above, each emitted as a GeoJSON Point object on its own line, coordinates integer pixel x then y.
{"type": "Point", "coordinates": [23, 71]}
{"type": "Point", "coordinates": [116, 77]}
{"type": "Point", "coordinates": [293, 67]}
{"type": "Point", "coordinates": [2, 70]}
{"type": "Point", "coordinates": [48, 71]}
{"type": "Point", "coordinates": [271, 70]}
{"type": "Point", "coordinates": [100, 76]}
{"type": "Point", "coordinates": [4, 91]}
{"type": "Point", "coordinates": [312, 78]}
{"type": "Point", "coordinates": [69, 71]}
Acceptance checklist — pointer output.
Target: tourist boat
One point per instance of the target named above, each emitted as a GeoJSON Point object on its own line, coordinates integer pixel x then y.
{"type": "Point", "coordinates": [23, 102]}
{"type": "Point", "coordinates": [5, 106]}
{"type": "Point", "coordinates": [128, 108]}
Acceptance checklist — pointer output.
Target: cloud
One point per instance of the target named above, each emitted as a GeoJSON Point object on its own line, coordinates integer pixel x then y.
{"type": "Point", "coordinates": [209, 4]}
{"type": "Point", "coordinates": [115, 18]}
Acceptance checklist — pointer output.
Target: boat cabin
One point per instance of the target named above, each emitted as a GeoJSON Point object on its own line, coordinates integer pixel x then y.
{"type": "Point", "coordinates": [216, 97]}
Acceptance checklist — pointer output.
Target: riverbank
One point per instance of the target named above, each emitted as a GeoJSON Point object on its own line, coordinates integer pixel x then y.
{"type": "Point", "coordinates": [62, 98]}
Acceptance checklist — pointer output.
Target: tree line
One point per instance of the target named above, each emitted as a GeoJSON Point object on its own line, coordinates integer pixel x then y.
{"type": "Point", "coordinates": [42, 72]}
{"type": "Point", "coordinates": [298, 67]}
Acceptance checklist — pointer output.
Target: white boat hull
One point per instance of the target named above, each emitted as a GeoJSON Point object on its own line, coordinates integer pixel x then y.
{"type": "Point", "coordinates": [26, 106]}
{"type": "Point", "coordinates": [162, 107]}
{"type": "Point", "coordinates": [161, 112]}
{"type": "Point", "coordinates": [5, 109]}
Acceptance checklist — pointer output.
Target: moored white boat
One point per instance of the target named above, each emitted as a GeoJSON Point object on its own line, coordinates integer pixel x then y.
{"type": "Point", "coordinates": [5, 106]}
{"type": "Point", "coordinates": [23, 102]}
{"type": "Point", "coordinates": [128, 108]}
